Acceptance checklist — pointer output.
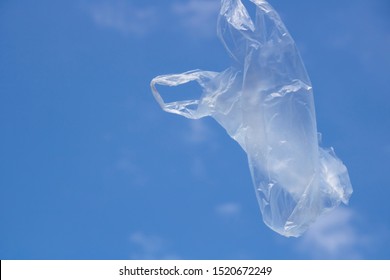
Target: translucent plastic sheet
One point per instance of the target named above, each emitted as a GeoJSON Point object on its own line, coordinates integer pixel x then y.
{"type": "Point", "coordinates": [265, 103]}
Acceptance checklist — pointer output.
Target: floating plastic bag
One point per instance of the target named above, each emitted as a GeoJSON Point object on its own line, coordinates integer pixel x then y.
{"type": "Point", "coordinates": [265, 103]}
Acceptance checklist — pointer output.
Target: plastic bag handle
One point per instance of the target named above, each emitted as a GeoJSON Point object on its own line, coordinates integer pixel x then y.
{"type": "Point", "coordinates": [182, 107]}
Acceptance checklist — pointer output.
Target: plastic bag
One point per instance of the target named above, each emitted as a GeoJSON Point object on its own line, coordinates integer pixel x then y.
{"type": "Point", "coordinates": [265, 103]}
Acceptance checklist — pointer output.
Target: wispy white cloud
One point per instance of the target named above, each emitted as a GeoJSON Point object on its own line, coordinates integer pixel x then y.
{"type": "Point", "coordinates": [197, 16]}
{"type": "Point", "coordinates": [228, 210]}
{"type": "Point", "coordinates": [148, 247]}
{"type": "Point", "coordinates": [198, 132]}
{"type": "Point", "coordinates": [200, 135]}
{"type": "Point", "coordinates": [198, 169]}
{"type": "Point", "coordinates": [127, 164]}
{"type": "Point", "coordinates": [191, 17]}
{"type": "Point", "coordinates": [335, 236]}
{"type": "Point", "coordinates": [123, 16]}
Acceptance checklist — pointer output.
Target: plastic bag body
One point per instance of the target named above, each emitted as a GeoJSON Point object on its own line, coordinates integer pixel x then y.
{"type": "Point", "coordinates": [265, 103]}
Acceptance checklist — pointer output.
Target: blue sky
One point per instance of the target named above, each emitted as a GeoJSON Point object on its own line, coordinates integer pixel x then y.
{"type": "Point", "coordinates": [92, 168]}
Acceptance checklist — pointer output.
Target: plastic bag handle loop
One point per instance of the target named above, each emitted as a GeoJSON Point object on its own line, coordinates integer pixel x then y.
{"type": "Point", "coordinates": [186, 108]}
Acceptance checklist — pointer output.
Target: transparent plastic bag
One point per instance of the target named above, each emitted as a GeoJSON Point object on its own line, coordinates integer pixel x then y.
{"type": "Point", "coordinates": [265, 103]}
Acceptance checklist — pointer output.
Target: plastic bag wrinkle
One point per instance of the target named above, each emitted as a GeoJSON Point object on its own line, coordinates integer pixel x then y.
{"type": "Point", "coordinates": [265, 103]}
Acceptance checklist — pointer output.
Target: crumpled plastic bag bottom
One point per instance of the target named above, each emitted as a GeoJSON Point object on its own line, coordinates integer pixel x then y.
{"type": "Point", "coordinates": [265, 103]}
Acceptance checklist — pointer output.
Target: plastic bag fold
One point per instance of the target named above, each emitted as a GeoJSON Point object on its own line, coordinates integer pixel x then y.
{"type": "Point", "coordinates": [265, 103]}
